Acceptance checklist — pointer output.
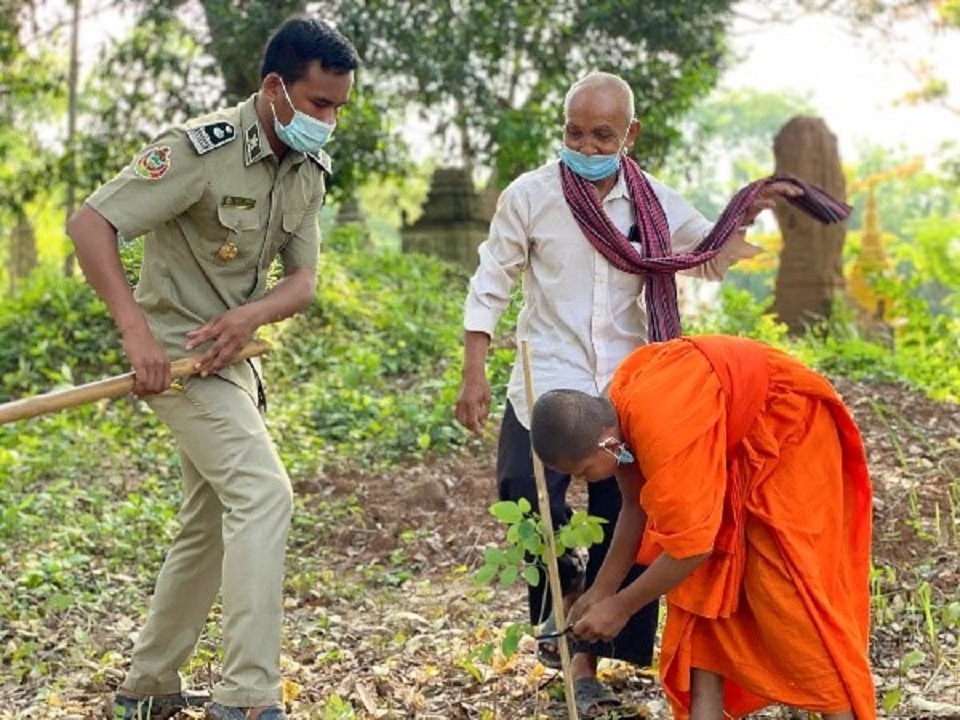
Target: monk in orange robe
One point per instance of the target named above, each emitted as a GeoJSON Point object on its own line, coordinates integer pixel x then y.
{"type": "Point", "coordinates": [746, 492]}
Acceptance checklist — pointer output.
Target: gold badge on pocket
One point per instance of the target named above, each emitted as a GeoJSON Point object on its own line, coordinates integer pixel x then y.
{"type": "Point", "coordinates": [228, 251]}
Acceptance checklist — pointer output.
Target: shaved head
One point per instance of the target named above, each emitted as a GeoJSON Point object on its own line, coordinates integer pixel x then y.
{"type": "Point", "coordinates": [606, 84]}
{"type": "Point", "coordinates": [565, 425]}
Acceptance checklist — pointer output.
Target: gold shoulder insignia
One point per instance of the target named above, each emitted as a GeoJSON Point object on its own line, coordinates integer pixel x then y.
{"type": "Point", "coordinates": [211, 136]}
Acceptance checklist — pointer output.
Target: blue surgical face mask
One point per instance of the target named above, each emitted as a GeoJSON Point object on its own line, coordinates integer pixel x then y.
{"type": "Point", "coordinates": [622, 454]}
{"type": "Point", "coordinates": [303, 133]}
{"type": "Point", "coordinates": [590, 167]}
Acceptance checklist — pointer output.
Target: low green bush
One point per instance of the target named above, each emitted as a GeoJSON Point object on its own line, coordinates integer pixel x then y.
{"type": "Point", "coordinates": [920, 349]}
{"type": "Point", "coordinates": [367, 377]}
{"type": "Point", "coordinates": [55, 332]}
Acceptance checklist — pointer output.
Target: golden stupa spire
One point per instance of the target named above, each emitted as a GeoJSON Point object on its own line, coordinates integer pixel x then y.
{"type": "Point", "coordinates": [872, 259]}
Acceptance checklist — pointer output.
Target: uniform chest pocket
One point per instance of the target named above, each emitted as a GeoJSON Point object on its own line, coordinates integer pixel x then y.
{"type": "Point", "coordinates": [239, 220]}
{"type": "Point", "coordinates": [241, 235]}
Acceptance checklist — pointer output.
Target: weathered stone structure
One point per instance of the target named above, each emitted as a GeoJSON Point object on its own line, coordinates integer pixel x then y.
{"type": "Point", "coordinates": [810, 276]}
{"type": "Point", "coordinates": [454, 221]}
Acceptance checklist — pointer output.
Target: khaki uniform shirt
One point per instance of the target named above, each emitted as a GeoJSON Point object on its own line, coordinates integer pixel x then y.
{"type": "Point", "coordinates": [215, 207]}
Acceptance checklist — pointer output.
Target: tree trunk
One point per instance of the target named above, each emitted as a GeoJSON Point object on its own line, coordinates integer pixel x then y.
{"type": "Point", "coordinates": [70, 262]}
{"type": "Point", "coordinates": [811, 265]}
{"type": "Point", "coordinates": [23, 252]}
{"type": "Point", "coordinates": [238, 37]}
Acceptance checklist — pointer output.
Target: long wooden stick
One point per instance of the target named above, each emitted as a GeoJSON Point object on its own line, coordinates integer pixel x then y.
{"type": "Point", "coordinates": [553, 571]}
{"type": "Point", "coordinates": [113, 387]}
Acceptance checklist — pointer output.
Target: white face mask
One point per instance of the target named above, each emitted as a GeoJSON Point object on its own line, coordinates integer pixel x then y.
{"type": "Point", "coordinates": [303, 133]}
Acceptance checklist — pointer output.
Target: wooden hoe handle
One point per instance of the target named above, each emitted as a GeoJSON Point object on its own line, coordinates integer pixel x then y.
{"type": "Point", "coordinates": [113, 387]}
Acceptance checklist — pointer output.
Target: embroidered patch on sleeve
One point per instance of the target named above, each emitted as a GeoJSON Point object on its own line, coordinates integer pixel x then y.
{"type": "Point", "coordinates": [211, 136]}
{"type": "Point", "coordinates": [153, 163]}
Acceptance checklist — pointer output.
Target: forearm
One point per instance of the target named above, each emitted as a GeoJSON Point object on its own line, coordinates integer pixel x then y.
{"type": "Point", "coordinates": [663, 574]}
{"type": "Point", "coordinates": [735, 249]}
{"type": "Point", "coordinates": [475, 347]}
{"type": "Point", "coordinates": [622, 555]}
{"type": "Point", "coordinates": [95, 243]}
{"type": "Point", "coordinates": [291, 295]}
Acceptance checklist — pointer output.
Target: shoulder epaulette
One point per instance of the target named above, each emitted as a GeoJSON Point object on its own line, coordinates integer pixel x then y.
{"type": "Point", "coordinates": [205, 138]}
{"type": "Point", "coordinates": [323, 160]}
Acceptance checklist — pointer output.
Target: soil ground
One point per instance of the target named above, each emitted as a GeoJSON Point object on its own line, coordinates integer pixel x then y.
{"type": "Point", "coordinates": [384, 619]}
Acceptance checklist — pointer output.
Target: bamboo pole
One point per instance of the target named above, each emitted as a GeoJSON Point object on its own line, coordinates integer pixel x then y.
{"type": "Point", "coordinates": [556, 594]}
{"type": "Point", "coordinates": [113, 387]}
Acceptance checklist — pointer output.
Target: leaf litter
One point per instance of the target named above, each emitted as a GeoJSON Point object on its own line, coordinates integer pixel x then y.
{"type": "Point", "coordinates": [383, 618]}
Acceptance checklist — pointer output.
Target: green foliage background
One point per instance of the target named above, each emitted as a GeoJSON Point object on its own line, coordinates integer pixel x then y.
{"type": "Point", "coordinates": [365, 379]}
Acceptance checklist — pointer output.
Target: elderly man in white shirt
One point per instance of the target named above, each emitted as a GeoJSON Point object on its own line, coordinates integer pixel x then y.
{"type": "Point", "coordinates": [581, 316]}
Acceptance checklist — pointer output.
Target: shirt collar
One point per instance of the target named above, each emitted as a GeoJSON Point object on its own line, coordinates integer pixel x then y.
{"type": "Point", "coordinates": [620, 188]}
{"type": "Point", "coordinates": [255, 144]}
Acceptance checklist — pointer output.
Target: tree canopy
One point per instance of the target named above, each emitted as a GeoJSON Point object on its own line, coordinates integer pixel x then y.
{"type": "Point", "coordinates": [485, 80]}
{"type": "Point", "coordinates": [488, 78]}
{"type": "Point", "coordinates": [492, 76]}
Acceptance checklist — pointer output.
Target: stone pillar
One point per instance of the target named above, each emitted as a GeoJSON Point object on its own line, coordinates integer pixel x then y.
{"type": "Point", "coordinates": [453, 224]}
{"type": "Point", "coordinates": [811, 263]}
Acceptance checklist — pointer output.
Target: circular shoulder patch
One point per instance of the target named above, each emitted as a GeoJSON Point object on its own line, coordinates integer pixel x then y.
{"type": "Point", "coordinates": [153, 163]}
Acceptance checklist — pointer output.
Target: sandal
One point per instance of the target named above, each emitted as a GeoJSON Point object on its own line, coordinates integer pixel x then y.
{"type": "Point", "coordinates": [151, 707]}
{"type": "Point", "coordinates": [595, 701]}
{"type": "Point", "coordinates": [216, 711]}
{"type": "Point", "coordinates": [548, 649]}
{"type": "Point", "coordinates": [155, 707]}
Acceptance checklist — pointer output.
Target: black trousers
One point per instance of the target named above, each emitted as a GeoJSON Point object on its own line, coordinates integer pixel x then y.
{"type": "Point", "coordinates": [516, 480]}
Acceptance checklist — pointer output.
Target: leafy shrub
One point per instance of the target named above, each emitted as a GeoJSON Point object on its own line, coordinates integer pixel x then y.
{"type": "Point", "coordinates": [738, 313]}
{"type": "Point", "coordinates": [55, 331]}
{"type": "Point", "coordinates": [923, 350]}
{"type": "Point", "coordinates": [371, 370]}
{"type": "Point", "coordinates": [841, 351]}
{"type": "Point", "coordinates": [926, 344]}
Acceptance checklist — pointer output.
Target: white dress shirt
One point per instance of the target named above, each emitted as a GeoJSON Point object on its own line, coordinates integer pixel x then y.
{"type": "Point", "coordinates": [581, 315]}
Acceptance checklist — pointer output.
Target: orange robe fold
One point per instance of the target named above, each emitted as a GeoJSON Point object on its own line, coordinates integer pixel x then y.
{"type": "Point", "coordinates": [751, 456]}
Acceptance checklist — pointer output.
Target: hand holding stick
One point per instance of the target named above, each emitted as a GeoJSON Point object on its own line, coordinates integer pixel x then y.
{"type": "Point", "coordinates": [113, 387]}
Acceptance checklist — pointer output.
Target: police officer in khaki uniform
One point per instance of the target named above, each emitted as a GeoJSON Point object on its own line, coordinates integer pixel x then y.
{"type": "Point", "coordinates": [217, 200]}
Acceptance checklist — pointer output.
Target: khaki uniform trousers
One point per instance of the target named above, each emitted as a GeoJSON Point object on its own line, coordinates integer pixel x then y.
{"type": "Point", "coordinates": [237, 504]}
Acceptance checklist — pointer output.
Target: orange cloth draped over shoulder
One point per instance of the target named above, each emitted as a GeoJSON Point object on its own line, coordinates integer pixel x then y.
{"type": "Point", "coordinates": [751, 456]}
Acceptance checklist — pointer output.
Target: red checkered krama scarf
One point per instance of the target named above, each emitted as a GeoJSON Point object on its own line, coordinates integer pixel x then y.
{"type": "Point", "coordinates": [656, 260]}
